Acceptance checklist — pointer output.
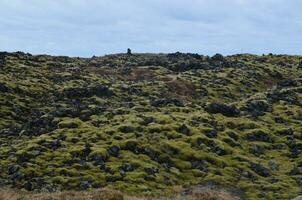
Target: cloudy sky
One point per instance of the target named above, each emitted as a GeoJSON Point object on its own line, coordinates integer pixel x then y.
{"type": "Point", "coordinates": [97, 27]}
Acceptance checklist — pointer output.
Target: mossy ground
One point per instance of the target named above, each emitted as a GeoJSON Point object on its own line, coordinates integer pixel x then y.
{"type": "Point", "coordinates": [148, 129]}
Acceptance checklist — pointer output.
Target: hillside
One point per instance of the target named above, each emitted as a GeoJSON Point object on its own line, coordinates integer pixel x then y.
{"type": "Point", "coordinates": [145, 123]}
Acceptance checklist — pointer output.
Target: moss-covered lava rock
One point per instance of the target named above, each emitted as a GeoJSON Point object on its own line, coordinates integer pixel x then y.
{"type": "Point", "coordinates": [143, 123]}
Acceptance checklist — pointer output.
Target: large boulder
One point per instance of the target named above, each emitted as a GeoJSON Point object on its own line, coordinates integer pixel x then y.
{"type": "Point", "coordinates": [226, 110]}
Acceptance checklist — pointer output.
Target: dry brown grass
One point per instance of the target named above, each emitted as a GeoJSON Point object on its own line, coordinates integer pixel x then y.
{"type": "Point", "coordinates": [106, 194]}
{"type": "Point", "coordinates": [140, 74]}
{"type": "Point", "coordinates": [210, 195]}
{"type": "Point", "coordinates": [181, 87]}
{"type": "Point", "coordinates": [6, 194]}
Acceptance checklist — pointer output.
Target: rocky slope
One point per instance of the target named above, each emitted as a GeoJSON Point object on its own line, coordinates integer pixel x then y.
{"type": "Point", "coordinates": [143, 123]}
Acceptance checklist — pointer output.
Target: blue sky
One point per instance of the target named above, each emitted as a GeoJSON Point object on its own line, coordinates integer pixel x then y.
{"type": "Point", "coordinates": [98, 27]}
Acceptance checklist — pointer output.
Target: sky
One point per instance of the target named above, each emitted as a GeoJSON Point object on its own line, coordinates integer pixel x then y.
{"type": "Point", "coordinates": [97, 27]}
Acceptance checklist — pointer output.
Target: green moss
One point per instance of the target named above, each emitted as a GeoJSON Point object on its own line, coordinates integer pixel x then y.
{"type": "Point", "coordinates": [63, 142]}
{"type": "Point", "coordinates": [99, 153]}
{"type": "Point", "coordinates": [69, 123]}
{"type": "Point", "coordinates": [182, 165]}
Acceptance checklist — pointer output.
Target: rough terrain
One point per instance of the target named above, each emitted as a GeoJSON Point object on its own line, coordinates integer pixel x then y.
{"type": "Point", "coordinates": [144, 123]}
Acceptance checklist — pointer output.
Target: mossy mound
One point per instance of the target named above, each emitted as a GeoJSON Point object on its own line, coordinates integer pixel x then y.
{"type": "Point", "coordinates": [143, 123]}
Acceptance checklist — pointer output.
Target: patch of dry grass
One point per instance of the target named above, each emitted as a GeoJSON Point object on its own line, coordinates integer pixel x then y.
{"type": "Point", "coordinates": [210, 195]}
{"type": "Point", "coordinates": [6, 194]}
{"type": "Point", "coordinates": [106, 194]}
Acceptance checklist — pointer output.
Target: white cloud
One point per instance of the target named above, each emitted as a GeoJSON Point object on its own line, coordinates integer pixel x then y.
{"type": "Point", "coordinates": [86, 28]}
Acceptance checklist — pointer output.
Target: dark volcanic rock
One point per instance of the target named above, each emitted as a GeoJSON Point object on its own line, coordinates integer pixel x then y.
{"type": "Point", "coordinates": [294, 148]}
{"type": "Point", "coordinates": [126, 129]}
{"type": "Point", "coordinates": [284, 95]}
{"type": "Point", "coordinates": [258, 135]}
{"type": "Point", "coordinates": [259, 169]}
{"type": "Point", "coordinates": [38, 124]}
{"type": "Point", "coordinates": [28, 186]}
{"type": "Point", "coordinates": [199, 164]}
{"type": "Point", "coordinates": [300, 65]}
{"type": "Point", "coordinates": [212, 133]}
{"type": "Point", "coordinates": [273, 165]}
{"type": "Point", "coordinates": [217, 57]}
{"type": "Point", "coordinates": [184, 130]}
{"type": "Point", "coordinates": [151, 153]}
{"type": "Point", "coordinates": [295, 171]}
{"type": "Point", "coordinates": [12, 169]}
{"type": "Point", "coordinates": [147, 120]}
{"type": "Point", "coordinates": [285, 132]}
{"type": "Point", "coordinates": [87, 150]}
{"type": "Point", "coordinates": [232, 135]}
{"type": "Point", "coordinates": [278, 119]}
{"type": "Point", "coordinates": [84, 185]}
{"type": "Point", "coordinates": [126, 167]}
{"type": "Point", "coordinates": [13, 130]}
{"type": "Point", "coordinates": [288, 83]}
{"type": "Point", "coordinates": [165, 102]}
{"type": "Point", "coordinates": [226, 110]}
{"type": "Point", "coordinates": [3, 54]}
{"type": "Point", "coordinates": [213, 147]}
{"type": "Point", "coordinates": [17, 176]}
{"type": "Point", "coordinates": [3, 87]}
{"type": "Point", "coordinates": [256, 150]}
{"type": "Point", "coordinates": [258, 108]}
{"type": "Point", "coordinates": [98, 90]}
{"type": "Point", "coordinates": [113, 150]}
{"type": "Point", "coordinates": [151, 171]}
{"type": "Point", "coordinates": [98, 159]}
{"type": "Point", "coordinates": [178, 55]}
